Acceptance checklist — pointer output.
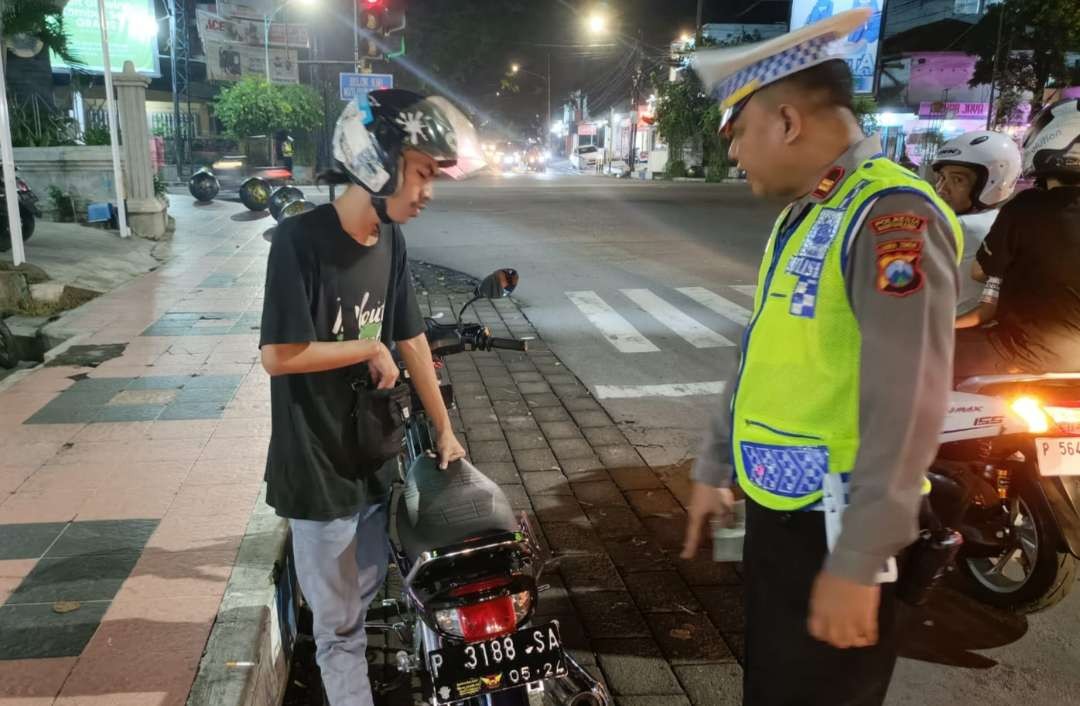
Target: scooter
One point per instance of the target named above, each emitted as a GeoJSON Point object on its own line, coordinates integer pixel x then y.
{"type": "Point", "coordinates": [1007, 478]}
{"type": "Point", "coordinates": [471, 569]}
{"type": "Point", "coordinates": [28, 212]}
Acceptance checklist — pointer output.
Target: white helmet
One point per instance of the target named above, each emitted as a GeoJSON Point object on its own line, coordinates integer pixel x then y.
{"type": "Point", "coordinates": [1052, 143]}
{"type": "Point", "coordinates": [995, 159]}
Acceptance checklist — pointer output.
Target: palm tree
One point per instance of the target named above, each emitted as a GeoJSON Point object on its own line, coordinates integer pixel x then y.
{"type": "Point", "coordinates": [43, 21]}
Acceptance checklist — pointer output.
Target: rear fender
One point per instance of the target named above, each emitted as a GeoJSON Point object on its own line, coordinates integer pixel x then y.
{"type": "Point", "coordinates": [1062, 494]}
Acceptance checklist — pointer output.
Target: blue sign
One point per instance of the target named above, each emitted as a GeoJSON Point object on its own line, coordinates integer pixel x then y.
{"type": "Point", "coordinates": [353, 85]}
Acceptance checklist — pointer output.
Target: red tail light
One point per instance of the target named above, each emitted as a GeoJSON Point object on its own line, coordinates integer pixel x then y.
{"type": "Point", "coordinates": [488, 619]}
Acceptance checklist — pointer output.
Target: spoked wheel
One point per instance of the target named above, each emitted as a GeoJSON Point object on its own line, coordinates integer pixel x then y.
{"type": "Point", "coordinates": [1033, 573]}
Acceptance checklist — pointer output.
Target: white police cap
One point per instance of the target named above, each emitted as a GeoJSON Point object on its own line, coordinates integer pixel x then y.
{"type": "Point", "coordinates": [733, 74]}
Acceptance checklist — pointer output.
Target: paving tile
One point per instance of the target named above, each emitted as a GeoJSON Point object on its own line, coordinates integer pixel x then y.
{"type": "Point", "coordinates": [572, 538]}
{"type": "Point", "coordinates": [33, 682]}
{"type": "Point", "coordinates": [546, 483]}
{"type": "Point", "coordinates": [143, 397]}
{"type": "Point", "coordinates": [557, 508]}
{"type": "Point", "coordinates": [589, 572]}
{"type": "Point", "coordinates": [473, 402]}
{"type": "Point", "coordinates": [661, 592]}
{"type": "Point", "coordinates": [535, 460]}
{"type": "Point", "coordinates": [636, 478]}
{"type": "Point", "coordinates": [490, 452]}
{"type": "Point", "coordinates": [38, 632]}
{"type": "Point", "coordinates": [519, 499]}
{"type": "Point", "coordinates": [623, 456]}
{"type": "Point", "coordinates": [688, 639]}
{"type": "Point", "coordinates": [654, 503]}
{"type": "Point", "coordinates": [501, 473]}
{"type": "Point", "coordinates": [583, 405]}
{"type": "Point", "coordinates": [478, 415]}
{"type": "Point", "coordinates": [533, 388]}
{"type": "Point", "coordinates": [636, 554]}
{"type": "Point", "coordinates": [542, 400]}
{"type": "Point", "coordinates": [570, 392]}
{"type": "Point", "coordinates": [520, 422]}
{"type": "Point", "coordinates": [615, 522]}
{"type": "Point", "coordinates": [669, 532]}
{"type": "Point", "coordinates": [583, 469]}
{"type": "Point", "coordinates": [593, 419]}
{"type": "Point", "coordinates": [103, 536]}
{"type": "Point", "coordinates": [523, 440]}
{"type": "Point", "coordinates": [484, 432]}
{"type": "Point", "coordinates": [29, 540]}
{"type": "Point", "coordinates": [129, 413]}
{"type": "Point", "coordinates": [570, 448]}
{"type": "Point", "coordinates": [725, 606]}
{"type": "Point", "coordinates": [87, 577]}
{"type": "Point", "coordinates": [609, 614]}
{"type": "Point", "coordinates": [194, 410]}
{"type": "Point", "coordinates": [703, 571]}
{"type": "Point", "coordinates": [551, 414]}
{"type": "Point", "coordinates": [635, 666]}
{"type": "Point", "coordinates": [605, 436]}
{"type": "Point", "coordinates": [502, 393]}
{"type": "Point", "coordinates": [510, 408]}
{"type": "Point", "coordinates": [598, 493]}
{"type": "Point", "coordinates": [525, 376]}
{"type": "Point", "coordinates": [561, 430]}
{"type": "Point", "coordinates": [712, 684]}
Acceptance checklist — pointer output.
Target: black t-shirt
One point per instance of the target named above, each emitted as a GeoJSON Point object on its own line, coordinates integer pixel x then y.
{"type": "Point", "coordinates": [321, 285]}
{"type": "Point", "coordinates": [1034, 248]}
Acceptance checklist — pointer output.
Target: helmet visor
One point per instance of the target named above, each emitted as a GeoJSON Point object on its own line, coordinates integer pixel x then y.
{"type": "Point", "coordinates": [458, 151]}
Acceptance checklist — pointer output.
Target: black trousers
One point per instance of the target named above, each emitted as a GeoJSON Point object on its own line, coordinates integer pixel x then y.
{"type": "Point", "coordinates": [785, 666]}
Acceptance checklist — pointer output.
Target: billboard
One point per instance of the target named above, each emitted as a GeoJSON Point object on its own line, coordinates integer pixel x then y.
{"type": "Point", "coordinates": [133, 35]}
{"type": "Point", "coordinates": [863, 63]}
{"type": "Point", "coordinates": [214, 28]}
{"type": "Point", "coordinates": [232, 62]}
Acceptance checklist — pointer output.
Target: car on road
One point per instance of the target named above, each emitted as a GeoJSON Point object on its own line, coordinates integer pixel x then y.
{"type": "Point", "coordinates": [586, 157]}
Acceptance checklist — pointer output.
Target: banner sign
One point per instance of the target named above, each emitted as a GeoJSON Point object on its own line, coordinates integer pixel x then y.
{"type": "Point", "coordinates": [863, 63]}
{"type": "Point", "coordinates": [226, 30]}
{"type": "Point", "coordinates": [133, 35]}
{"type": "Point", "coordinates": [353, 85]}
{"type": "Point", "coordinates": [232, 62]}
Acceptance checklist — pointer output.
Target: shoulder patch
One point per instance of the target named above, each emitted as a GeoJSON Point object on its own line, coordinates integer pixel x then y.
{"type": "Point", "coordinates": [894, 222]}
{"type": "Point", "coordinates": [828, 183]}
{"type": "Point", "coordinates": [899, 271]}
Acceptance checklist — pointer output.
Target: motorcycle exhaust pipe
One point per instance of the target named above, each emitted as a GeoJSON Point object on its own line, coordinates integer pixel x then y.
{"type": "Point", "coordinates": [578, 688]}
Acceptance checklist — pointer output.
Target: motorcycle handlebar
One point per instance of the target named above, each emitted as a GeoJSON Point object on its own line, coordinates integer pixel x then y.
{"type": "Point", "coordinates": [508, 344]}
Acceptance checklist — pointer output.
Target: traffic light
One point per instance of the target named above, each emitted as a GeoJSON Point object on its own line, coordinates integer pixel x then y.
{"type": "Point", "coordinates": [371, 25]}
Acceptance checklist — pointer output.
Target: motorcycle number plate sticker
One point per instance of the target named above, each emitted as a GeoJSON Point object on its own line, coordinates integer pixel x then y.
{"type": "Point", "coordinates": [460, 671]}
{"type": "Point", "coordinates": [1058, 457]}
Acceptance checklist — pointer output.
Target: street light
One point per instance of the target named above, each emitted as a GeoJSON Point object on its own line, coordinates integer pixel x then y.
{"type": "Point", "coordinates": [267, 20]}
{"type": "Point", "coordinates": [514, 68]}
{"type": "Point", "coordinates": [597, 23]}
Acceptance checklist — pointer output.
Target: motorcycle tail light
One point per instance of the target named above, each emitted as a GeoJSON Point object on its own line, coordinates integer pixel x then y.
{"type": "Point", "coordinates": [1067, 418]}
{"type": "Point", "coordinates": [1031, 411]}
{"type": "Point", "coordinates": [486, 619]}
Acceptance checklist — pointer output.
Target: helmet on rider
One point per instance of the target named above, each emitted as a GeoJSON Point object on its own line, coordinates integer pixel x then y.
{"type": "Point", "coordinates": [1052, 143]}
{"type": "Point", "coordinates": [371, 142]}
{"type": "Point", "coordinates": [977, 170]}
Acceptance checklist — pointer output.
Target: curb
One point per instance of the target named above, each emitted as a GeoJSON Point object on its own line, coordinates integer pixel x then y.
{"type": "Point", "coordinates": [245, 662]}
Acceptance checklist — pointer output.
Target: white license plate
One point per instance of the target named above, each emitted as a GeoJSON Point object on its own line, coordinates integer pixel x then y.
{"type": "Point", "coordinates": [1058, 457]}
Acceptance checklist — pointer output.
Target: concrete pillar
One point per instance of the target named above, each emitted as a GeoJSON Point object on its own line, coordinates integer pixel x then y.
{"type": "Point", "coordinates": [146, 212]}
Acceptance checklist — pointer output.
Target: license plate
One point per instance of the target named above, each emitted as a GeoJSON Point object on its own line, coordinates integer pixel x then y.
{"type": "Point", "coordinates": [1058, 457]}
{"type": "Point", "coordinates": [464, 671]}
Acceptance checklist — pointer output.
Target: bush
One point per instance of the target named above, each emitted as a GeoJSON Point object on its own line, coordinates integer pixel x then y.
{"type": "Point", "coordinates": [96, 136]}
{"type": "Point", "coordinates": [676, 169]}
{"type": "Point", "coordinates": [63, 203]}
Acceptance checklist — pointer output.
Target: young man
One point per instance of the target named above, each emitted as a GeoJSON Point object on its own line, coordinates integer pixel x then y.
{"type": "Point", "coordinates": [1032, 258]}
{"type": "Point", "coordinates": [976, 173]}
{"type": "Point", "coordinates": [338, 294]}
{"type": "Point", "coordinates": [856, 299]}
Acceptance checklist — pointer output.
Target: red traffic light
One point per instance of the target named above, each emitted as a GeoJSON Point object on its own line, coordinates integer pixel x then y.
{"type": "Point", "coordinates": [371, 4]}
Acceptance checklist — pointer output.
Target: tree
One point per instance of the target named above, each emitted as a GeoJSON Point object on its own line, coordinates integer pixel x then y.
{"type": "Point", "coordinates": [39, 19]}
{"type": "Point", "coordinates": [680, 111]}
{"type": "Point", "coordinates": [255, 107]}
{"type": "Point", "coordinates": [1035, 37]}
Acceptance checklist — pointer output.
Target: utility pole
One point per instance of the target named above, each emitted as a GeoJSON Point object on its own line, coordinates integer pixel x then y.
{"type": "Point", "coordinates": [697, 30]}
{"type": "Point", "coordinates": [994, 70]}
{"type": "Point", "coordinates": [356, 36]}
{"type": "Point", "coordinates": [635, 99]}
{"type": "Point", "coordinates": [547, 123]}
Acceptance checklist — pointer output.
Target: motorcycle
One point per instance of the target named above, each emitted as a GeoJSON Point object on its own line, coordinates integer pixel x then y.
{"type": "Point", "coordinates": [28, 212]}
{"type": "Point", "coordinates": [1007, 478]}
{"type": "Point", "coordinates": [471, 569]}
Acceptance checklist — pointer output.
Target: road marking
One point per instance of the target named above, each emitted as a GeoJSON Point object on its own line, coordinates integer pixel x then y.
{"type": "Point", "coordinates": [748, 289]}
{"type": "Point", "coordinates": [695, 333]}
{"type": "Point", "coordinates": [711, 300]}
{"type": "Point", "coordinates": [620, 332]}
{"type": "Point", "coordinates": [623, 392]}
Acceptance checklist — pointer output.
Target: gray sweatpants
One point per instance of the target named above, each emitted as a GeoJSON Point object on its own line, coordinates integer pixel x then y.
{"type": "Point", "coordinates": [341, 565]}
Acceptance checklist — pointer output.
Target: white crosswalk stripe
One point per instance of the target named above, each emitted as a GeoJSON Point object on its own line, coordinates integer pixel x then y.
{"type": "Point", "coordinates": [624, 392]}
{"type": "Point", "coordinates": [711, 300]}
{"type": "Point", "coordinates": [616, 329]}
{"type": "Point", "coordinates": [687, 327]}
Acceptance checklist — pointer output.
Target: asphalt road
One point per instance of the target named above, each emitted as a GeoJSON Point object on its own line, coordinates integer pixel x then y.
{"type": "Point", "coordinates": [642, 288]}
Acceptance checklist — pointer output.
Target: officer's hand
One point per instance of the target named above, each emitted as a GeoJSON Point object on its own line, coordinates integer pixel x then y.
{"type": "Point", "coordinates": [705, 502]}
{"type": "Point", "coordinates": [844, 613]}
{"type": "Point", "coordinates": [384, 371]}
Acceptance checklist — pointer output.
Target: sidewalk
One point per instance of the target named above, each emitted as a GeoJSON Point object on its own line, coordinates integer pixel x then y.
{"type": "Point", "coordinates": [135, 550]}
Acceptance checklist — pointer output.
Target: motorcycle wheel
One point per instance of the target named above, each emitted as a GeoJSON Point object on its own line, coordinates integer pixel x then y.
{"type": "Point", "coordinates": [7, 347]}
{"type": "Point", "coordinates": [1032, 576]}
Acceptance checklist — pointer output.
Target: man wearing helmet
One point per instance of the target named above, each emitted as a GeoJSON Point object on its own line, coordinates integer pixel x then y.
{"type": "Point", "coordinates": [976, 172]}
{"type": "Point", "coordinates": [338, 294]}
{"type": "Point", "coordinates": [1030, 261]}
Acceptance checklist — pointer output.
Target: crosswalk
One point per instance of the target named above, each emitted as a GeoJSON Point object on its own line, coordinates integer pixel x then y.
{"type": "Point", "coordinates": [668, 311]}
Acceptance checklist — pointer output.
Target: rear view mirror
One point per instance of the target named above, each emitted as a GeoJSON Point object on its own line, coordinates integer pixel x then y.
{"type": "Point", "coordinates": [498, 284]}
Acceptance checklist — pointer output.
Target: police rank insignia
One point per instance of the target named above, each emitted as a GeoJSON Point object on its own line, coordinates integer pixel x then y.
{"type": "Point", "coordinates": [898, 265]}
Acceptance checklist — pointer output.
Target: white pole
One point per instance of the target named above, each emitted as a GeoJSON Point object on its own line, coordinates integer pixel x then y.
{"type": "Point", "coordinates": [11, 192]}
{"type": "Point", "coordinates": [266, 44]}
{"type": "Point", "coordinates": [110, 104]}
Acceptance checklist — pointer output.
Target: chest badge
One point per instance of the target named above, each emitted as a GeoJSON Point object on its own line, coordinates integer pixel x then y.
{"type": "Point", "coordinates": [809, 262]}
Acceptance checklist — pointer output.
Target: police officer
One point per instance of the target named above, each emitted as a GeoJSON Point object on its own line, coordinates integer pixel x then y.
{"type": "Point", "coordinates": [842, 385]}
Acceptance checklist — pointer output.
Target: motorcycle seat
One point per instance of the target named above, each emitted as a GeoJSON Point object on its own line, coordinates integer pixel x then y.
{"type": "Point", "coordinates": [442, 508]}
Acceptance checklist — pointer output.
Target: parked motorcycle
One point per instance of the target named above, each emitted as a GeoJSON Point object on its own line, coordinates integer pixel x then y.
{"type": "Point", "coordinates": [1007, 478]}
{"type": "Point", "coordinates": [471, 569]}
{"type": "Point", "coordinates": [28, 212]}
